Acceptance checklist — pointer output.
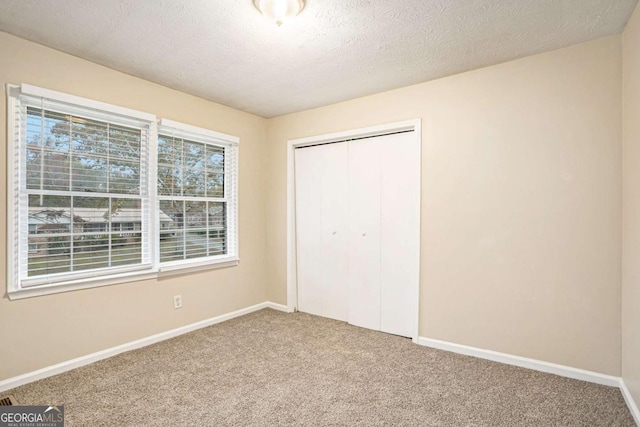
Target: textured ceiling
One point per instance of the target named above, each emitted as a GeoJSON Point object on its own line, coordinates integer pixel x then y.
{"type": "Point", "coordinates": [225, 51]}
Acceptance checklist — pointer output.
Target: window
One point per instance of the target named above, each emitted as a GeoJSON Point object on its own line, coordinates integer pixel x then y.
{"type": "Point", "coordinates": [196, 194]}
{"type": "Point", "coordinates": [98, 195]}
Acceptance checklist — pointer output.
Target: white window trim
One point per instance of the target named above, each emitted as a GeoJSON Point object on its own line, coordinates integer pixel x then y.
{"type": "Point", "coordinates": [138, 273]}
{"type": "Point", "coordinates": [12, 254]}
{"type": "Point", "coordinates": [27, 89]}
{"type": "Point", "coordinates": [197, 132]}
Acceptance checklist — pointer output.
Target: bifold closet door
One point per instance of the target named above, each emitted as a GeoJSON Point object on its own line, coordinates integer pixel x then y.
{"type": "Point", "coordinates": [384, 236]}
{"type": "Point", "coordinates": [358, 231]}
{"type": "Point", "coordinates": [399, 233]}
{"type": "Point", "coordinates": [364, 233]}
{"type": "Point", "coordinates": [321, 229]}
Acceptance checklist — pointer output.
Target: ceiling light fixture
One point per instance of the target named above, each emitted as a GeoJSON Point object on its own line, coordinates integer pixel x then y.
{"type": "Point", "coordinates": [279, 11]}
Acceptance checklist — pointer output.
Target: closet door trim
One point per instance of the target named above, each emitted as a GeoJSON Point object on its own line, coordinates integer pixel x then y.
{"type": "Point", "coordinates": [292, 285]}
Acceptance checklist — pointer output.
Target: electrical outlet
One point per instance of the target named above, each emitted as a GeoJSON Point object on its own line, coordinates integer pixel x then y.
{"type": "Point", "coordinates": [177, 301]}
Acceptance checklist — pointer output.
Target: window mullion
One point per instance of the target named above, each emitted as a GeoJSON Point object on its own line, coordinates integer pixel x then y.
{"type": "Point", "coordinates": [71, 234]}
{"type": "Point", "coordinates": [70, 153]}
{"type": "Point", "coordinates": [182, 167]}
{"type": "Point", "coordinates": [71, 199]}
{"type": "Point", "coordinates": [109, 231]}
{"type": "Point", "coordinates": [152, 238]}
{"type": "Point", "coordinates": [108, 158]}
{"type": "Point", "coordinates": [206, 187]}
{"type": "Point", "coordinates": [42, 149]}
{"type": "Point", "coordinates": [184, 228]}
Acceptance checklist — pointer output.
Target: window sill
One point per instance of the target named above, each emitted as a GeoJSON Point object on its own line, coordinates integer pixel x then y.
{"type": "Point", "coordinates": [116, 279]}
{"type": "Point", "coordinates": [192, 267]}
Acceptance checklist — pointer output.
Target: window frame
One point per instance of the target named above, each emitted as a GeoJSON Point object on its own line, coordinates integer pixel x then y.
{"type": "Point", "coordinates": [94, 278]}
{"type": "Point", "coordinates": [230, 145]}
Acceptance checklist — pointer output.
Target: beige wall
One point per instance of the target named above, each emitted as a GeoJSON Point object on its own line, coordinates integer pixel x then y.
{"type": "Point", "coordinates": [631, 207]}
{"type": "Point", "coordinates": [521, 202]}
{"type": "Point", "coordinates": [41, 331]}
{"type": "Point", "coordinates": [521, 212]}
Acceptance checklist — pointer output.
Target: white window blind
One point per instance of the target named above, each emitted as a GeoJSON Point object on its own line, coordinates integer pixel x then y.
{"type": "Point", "coordinates": [197, 194]}
{"type": "Point", "coordinates": [100, 194]}
{"type": "Point", "coordinates": [82, 173]}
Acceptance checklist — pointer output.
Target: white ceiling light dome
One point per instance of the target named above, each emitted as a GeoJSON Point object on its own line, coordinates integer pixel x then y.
{"type": "Point", "coordinates": [279, 11]}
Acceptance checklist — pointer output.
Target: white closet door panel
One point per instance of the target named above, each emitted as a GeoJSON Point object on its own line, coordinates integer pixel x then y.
{"type": "Point", "coordinates": [399, 232]}
{"type": "Point", "coordinates": [308, 229]}
{"type": "Point", "coordinates": [334, 199]}
{"type": "Point", "coordinates": [364, 233]}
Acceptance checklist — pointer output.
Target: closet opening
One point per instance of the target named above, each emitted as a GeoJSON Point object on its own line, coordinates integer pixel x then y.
{"type": "Point", "coordinates": [354, 227]}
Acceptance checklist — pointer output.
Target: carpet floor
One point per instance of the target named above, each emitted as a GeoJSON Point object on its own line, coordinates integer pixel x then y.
{"type": "Point", "coordinates": [270, 368]}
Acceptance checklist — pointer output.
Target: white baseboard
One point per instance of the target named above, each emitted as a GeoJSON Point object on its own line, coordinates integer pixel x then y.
{"type": "Point", "coordinates": [539, 365]}
{"type": "Point", "coordinates": [630, 402]}
{"type": "Point", "coordinates": [68, 365]}
{"type": "Point", "coordinates": [524, 362]}
{"type": "Point", "coordinates": [276, 306]}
